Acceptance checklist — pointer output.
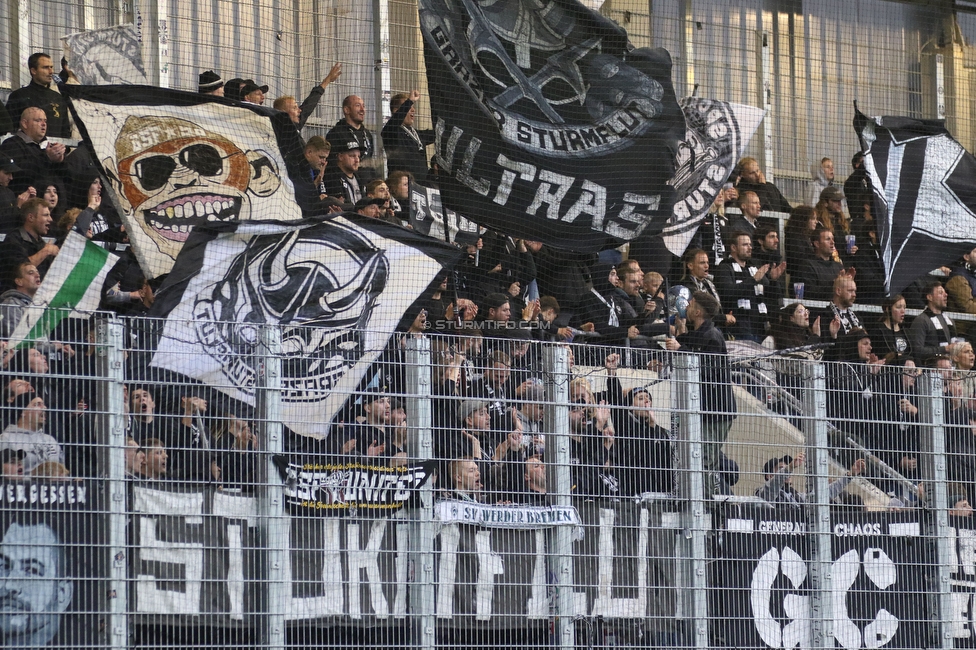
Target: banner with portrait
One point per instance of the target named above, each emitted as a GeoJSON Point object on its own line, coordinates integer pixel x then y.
{"type": "Point", "coordinates": [53, 591]}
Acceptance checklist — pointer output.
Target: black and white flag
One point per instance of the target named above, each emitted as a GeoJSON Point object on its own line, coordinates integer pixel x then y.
{"type": "Point", "coordinates": [716, 137]}
{"type": "Point", "coordinates": [428, 216]}
{"type": "Point", "coordinates": [351, 488]}
{"type": "Point", "coordinates": [338, 288]}
{"type": "Point", "coordinates": [111, 55]}
{"type": "Point", "coordinates": [548, 125]}
{"type": "Point", "coordinates": [924, 194]}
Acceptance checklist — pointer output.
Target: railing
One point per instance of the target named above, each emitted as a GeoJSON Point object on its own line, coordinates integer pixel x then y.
{"type": "Point", "coordinates": [258, 536]}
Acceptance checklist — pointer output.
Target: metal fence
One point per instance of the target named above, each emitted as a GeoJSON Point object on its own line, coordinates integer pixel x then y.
{"type": "Point", "coordinates": [474, 498]}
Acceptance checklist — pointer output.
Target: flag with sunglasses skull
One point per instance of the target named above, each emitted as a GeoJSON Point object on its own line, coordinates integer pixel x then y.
{"type": "Point", "coordinates": [174, 160]}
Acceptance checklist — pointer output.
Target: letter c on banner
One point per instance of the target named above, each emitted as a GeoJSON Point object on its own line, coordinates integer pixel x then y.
{"type": "Point", "coordinates": [760, 591]}
{"type": "Point", "coordinates": [797, 632]}
{"type": "Point", "coordinates": [882, 572]}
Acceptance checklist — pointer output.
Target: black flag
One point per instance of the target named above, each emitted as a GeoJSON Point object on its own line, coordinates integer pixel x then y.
{"type": "Point", "coordinates": [548, 126]}
{"type": "Point", "coordinates": [924, 194]}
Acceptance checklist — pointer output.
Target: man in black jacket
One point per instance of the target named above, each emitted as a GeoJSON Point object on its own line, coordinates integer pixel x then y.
{"type": "Point", "coordinates": [818, 274]}
{"type": "Point", "coordinates": [32, 152]}
{"type": "Point", "coordinates": [765, 250]}
{"type": "Point", "coordinates": [858, 188]}
{"type": "Point", "coordinates": [351, 127]}
{"type": "Point", "coordinates": [718, 406]}
{"type": "Point", "coordinates": [742, 285]}
{"type": "Point", "coordinates": [26, 244]}
{"type": "Point", "coordinates": [344, 180]}
{"type": "Point", "coordinates": [406, 147]}
{"type": "Point", "coordinates": [933, 330]}
{"type": "Point", "coordinates": [642, 451]}
{"type": "Point", "coordinates": [39, 93]}
{"type": "Point", "coordinates": [752, 179]}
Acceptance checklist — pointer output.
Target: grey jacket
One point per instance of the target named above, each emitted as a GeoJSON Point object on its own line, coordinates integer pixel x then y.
{"type": "Point", "coordinates": [40, 447]}
{"type": "Point", "coordinates": [12, 305]}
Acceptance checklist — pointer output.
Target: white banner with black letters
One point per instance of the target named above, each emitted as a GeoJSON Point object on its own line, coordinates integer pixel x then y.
{"type": "Point", "coordinates": [199, 553]}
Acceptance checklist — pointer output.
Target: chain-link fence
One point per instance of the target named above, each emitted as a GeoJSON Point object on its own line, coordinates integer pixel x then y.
{"type": "Point", "coordinates": [214, 480]}
{"type": "Point", "coordinates": [474, 492]}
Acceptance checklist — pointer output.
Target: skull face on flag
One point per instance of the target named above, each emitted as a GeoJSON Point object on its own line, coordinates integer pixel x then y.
{"type": "Point", "coordinates": [320, 283]}
{"type": "Point", "coordinates": [173, 174]}
{"type": "Point", "coordinates": [172, 161]}
{"type": "Point", "coordinates": [335, 289]}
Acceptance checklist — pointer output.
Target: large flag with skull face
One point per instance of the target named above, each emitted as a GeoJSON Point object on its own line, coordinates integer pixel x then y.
{"type": "Point", "coordinates": [175, 160]}
{"type": "Point", "coordinates": [336, 288]}
{"type": "Point", "coordinates": [549, 126]}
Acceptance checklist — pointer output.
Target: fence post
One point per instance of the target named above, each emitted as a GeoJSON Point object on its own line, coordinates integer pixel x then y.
{"type": "Point", "coordinates": [687, 423]}
{"type": "Point", "coordinates": [272, 521]}
{"type": "Point", "coordinates": [111, 400]}
{"type": "Point", "coordinates": [936, 515]}
{"type": "Point", "coordinates": [560, 481]}
{"type": "Point", "coordinates": [420, 448]}
{"type": "Point", "coordinates": [818, 516]}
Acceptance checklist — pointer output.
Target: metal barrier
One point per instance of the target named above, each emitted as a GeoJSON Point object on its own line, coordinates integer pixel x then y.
{"type": "Point", "coordinates": [160, 511]}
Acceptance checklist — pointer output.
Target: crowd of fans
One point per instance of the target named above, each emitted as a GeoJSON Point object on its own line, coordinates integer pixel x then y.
{"type": "Point", "coordinates": [506, 296]}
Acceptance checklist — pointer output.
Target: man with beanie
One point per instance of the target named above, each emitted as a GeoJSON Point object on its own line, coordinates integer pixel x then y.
{"type": "Point", "coordinates": [232, 89]}
{"type": "Point", "coordinates": [210, 84]}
